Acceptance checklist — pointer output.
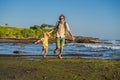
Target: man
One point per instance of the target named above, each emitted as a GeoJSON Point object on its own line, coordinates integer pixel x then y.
{"type": "Point", "coordinates": [61, 27]}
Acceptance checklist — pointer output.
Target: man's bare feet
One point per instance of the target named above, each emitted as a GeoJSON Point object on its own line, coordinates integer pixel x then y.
{"type": "Point", "coordinates": [60, 56]}
{"type": "Point", "coordinates": [55, 51]}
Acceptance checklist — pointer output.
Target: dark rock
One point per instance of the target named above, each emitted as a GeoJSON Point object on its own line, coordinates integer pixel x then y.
{"type": "Point", "coordinates": [19, 52]}
{"type": "Point", "coordinates": [81, 39]}
{"type": "Point", "coordinates": [115, 54]}
{"type": "Point", "coordinates": [78, 39]}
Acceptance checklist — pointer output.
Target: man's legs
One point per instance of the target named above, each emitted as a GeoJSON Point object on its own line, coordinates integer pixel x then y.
{"type": "Point", "coordinates": [62, 42]}
{"type": "Point", "coordinates": [61, 50]}
{"type": "Point", "coordinates": [57, 45]}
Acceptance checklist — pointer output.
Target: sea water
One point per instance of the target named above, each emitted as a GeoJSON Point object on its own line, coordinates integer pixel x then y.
{"type": "Point", "coordinates": [103, 51]}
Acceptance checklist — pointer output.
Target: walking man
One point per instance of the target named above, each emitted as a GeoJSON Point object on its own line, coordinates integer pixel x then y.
{"type": "Point", "coordinates": [61, 28]}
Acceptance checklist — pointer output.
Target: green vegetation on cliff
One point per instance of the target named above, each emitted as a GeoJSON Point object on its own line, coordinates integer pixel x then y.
{"type": "Point", "coordinates": [32, 32]}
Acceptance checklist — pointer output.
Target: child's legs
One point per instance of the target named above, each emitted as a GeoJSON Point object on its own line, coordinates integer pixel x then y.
{"type": "Point", "coordinates": [45, 51]}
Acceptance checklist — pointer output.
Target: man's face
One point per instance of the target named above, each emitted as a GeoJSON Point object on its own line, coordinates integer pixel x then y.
{"type": "Point", "coordinates": [61, 18]}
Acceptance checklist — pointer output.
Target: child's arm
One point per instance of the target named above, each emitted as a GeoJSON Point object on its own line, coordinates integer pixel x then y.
{"type": "Point", "coordinates": [41, 40]}
{"type": "Point", "coordinates": [51, 31]}
{"type": "Point", "coordinates": [37, 41]}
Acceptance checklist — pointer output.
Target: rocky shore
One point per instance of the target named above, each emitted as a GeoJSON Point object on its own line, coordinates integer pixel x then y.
{"type": "Point", "coordinates": [82, 39]}
{"type": "Point", "coordinates": [78, 39]}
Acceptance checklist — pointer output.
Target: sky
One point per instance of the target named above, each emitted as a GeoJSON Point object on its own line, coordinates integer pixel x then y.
{"type": "Point", "coordinates": [90, 18]}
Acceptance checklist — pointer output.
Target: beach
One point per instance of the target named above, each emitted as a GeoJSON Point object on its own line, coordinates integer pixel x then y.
{"type": "Point", "coordinates": [17, 68]}
{"type": "Point", "coordinates": [60, 40]}
{"type": "Point", "coordinates": [81, 61]}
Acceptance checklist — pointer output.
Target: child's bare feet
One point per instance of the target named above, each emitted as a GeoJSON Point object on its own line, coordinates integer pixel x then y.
{"type": "Point", "coordinates": [44, 56]}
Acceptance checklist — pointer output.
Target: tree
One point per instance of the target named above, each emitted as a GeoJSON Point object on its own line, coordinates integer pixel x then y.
{"type": "Point", "coordinates": [51, 26]}
{"type": "Point", "coordinates": [6, 24]}
{"type": "Point", "coordinates": [35, 27]}
{"type": "Point", "coordinates": [44, 25]}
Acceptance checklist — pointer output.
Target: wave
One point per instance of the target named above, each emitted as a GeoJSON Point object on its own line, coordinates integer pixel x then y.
{"type": "Point", "coordinates": [103, 46]}
{"type": "Point", "coordinates": [112, 41]}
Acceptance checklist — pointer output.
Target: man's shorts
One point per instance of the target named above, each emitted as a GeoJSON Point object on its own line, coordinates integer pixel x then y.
{"type": "Point", "coordinates": [60, 41]}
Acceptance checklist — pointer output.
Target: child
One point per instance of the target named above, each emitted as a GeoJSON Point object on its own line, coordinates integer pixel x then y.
{"type": "Point", "coordinates": [44, 41]}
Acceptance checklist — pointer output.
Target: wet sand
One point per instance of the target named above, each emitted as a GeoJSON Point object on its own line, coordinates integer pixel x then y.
{"type": "Point", "coordinates": [18, 68]}
{"type": "Point", "coordinates": [39, 56]}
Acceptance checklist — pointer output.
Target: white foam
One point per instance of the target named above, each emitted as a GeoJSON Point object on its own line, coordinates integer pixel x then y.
{"type": "Point", "coordinates": [111, 46]}
{"type": "Point", "coordinates": [114, 41]}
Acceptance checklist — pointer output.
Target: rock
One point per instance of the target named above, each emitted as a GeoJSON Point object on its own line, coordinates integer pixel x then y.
{"type": "Point", "coordinates": [78, 39]}
{"type": "Point", "coordinates": [19, 52]}
{"type": "Point", "coordinates": [115, 54]}
{"type": "Point", "coordinates": [81, 39]}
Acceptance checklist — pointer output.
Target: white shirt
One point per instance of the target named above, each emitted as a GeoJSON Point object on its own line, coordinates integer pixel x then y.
{"type": "Point", "coordinates": [60, 31]}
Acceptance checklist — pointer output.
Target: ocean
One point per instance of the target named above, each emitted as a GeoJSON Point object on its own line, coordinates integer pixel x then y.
{"type": "Point", "coordinates": [102, 51]}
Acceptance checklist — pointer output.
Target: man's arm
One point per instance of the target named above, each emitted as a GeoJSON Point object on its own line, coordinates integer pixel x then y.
{"type": "Point", "coordinates": [71, 35]}
{"type": "Point", "coordinates": [69, 31]}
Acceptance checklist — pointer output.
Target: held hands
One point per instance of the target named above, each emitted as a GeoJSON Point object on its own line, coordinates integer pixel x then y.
{"type": "Point", "coordinates": [50, 31]}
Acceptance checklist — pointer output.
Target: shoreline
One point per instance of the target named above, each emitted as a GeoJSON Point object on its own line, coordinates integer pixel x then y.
{"type": "Point", "coordinates": [78, 39]}
{"type": "Point", "coordinates": [51, 56]}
